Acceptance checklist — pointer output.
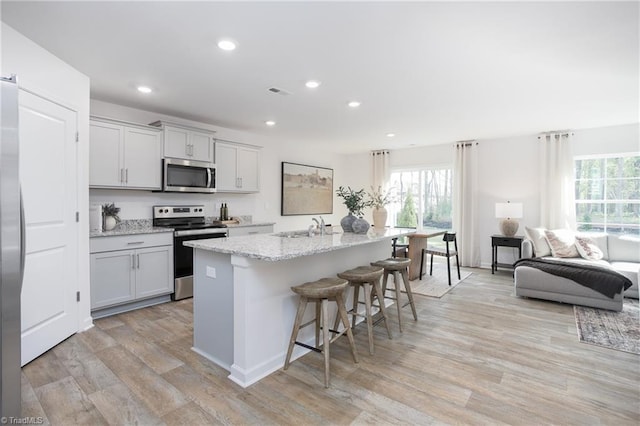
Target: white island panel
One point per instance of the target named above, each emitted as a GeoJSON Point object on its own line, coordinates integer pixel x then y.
{"type": "Point", "coordinates": [244, 315]}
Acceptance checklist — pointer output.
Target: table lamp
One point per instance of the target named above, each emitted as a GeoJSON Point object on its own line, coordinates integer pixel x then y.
{"type": "Point", "coordinates": [508, 212]}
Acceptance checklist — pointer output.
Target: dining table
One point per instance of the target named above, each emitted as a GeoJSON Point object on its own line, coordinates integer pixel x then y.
{"type": "Point", "coordinates": [417, 242]}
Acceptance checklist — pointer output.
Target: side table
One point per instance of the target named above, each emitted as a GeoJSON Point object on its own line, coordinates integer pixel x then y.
{"type": "Point", "coordinates": [503, 241]}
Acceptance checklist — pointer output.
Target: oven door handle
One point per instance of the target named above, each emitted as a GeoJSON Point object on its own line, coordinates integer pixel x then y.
{"type": "Point", "coordinates": [211, 232]}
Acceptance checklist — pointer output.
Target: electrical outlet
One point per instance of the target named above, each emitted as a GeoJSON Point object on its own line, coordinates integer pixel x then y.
{"type": "Point", "coordinates": [211, 272]}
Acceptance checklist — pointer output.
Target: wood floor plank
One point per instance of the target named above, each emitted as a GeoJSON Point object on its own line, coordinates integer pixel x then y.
{"type": "Point", "coordinates": [478, 356]}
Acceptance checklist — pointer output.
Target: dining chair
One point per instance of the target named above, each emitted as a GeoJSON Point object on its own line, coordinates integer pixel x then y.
{"type": "Point", "coordinates": [448, 238]}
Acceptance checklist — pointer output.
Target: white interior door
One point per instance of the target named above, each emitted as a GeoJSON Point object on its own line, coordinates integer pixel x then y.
{"type": "Point", "coordinates": [48, 173]}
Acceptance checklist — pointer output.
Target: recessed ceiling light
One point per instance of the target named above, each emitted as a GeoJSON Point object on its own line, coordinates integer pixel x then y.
{"type": "Point", "coordinates": [270, 123]}
{"type": "Point", "coordinates": [144, 89]}
{"type": "Point", "coordinates": [227, 45]}
{"type": "Point", "coordinates": [354, 104]}
{"type": "Point", "coordinates": [312, 84]}
{"type": "Point", "coordinates": [391, 135]}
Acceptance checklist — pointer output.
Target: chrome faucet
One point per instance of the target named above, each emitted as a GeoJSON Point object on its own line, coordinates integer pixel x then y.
{"type": "Point", "coordinates": [319, 224]}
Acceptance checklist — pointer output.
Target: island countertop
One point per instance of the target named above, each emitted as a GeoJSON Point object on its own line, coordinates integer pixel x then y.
{"type": "Point", "coordinates": [276, 247]}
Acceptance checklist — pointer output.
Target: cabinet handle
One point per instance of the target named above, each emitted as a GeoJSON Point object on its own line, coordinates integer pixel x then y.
{"type": "Point", "coordinates": [135, 242]}
{"type": "Point", "coordinates": [133, 262]}
{"type": "Point", "coordinates": [138, 260]}
{"type": "Point", "coordinates": [121, 175]}
{"type": "Point", "coordinates": [240, 182]}
{"type": "Point", "coordinates": [126, 175]}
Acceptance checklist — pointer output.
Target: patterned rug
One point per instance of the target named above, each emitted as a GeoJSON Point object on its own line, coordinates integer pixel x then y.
{"type": "Point", "coordinates": [610, 329]}
{"type": "Point", "coordinates": [437, 285]}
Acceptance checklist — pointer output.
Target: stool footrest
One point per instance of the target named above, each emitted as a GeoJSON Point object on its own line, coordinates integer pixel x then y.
{"type": "Point", "coordinates": [304, 345]}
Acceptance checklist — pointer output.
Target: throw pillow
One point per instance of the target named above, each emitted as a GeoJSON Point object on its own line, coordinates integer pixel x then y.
{"type": "Point", "coordinates": [562, 243]}
{"type": "Point", "coordinates": [539, 241]}
{"type": "Point", "coordinates": [588, 248]}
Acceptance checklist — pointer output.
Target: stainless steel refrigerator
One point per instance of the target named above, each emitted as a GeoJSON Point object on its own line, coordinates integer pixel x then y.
{"type": "Point", "coordinates": [11, 252]}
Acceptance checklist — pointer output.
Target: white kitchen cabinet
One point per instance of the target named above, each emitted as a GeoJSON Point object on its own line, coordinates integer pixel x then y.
{"type": "Point", "coordinates": [124, 155]}
{"type": "Point", "coordinates": [236, 231]}
{"type": "Point", "coordinates": [187, 143]}
{"type": "Point", "coordinates": [130, 268]}
{"type": "Point", "coordinates": [237, 167]}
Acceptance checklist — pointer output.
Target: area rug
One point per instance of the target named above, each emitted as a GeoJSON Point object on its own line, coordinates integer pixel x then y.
{"type": "Point", "coordinates": [610, 329]}
{"type": "Point", "coordinates": [437, 285]}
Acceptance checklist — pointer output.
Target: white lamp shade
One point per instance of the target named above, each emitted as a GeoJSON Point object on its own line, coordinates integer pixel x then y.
{"type": "Point", "coordinates": [509, 210]}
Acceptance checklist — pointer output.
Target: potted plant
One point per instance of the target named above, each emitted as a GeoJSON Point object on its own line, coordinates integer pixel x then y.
{"type": "Point", "coordinates": [110, 214]}
{"type": "Point", "coordinates": [356, 202]}
{"type": "Point", "coordinates": [378, 199]}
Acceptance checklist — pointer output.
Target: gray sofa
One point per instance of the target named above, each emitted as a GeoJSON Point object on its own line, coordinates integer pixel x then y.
{"type": "Point", "coordinates": [620, 253]}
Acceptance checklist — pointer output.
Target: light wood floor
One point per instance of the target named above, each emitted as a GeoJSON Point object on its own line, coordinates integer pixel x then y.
{"type": "Point", "coordinates": [479, 355]}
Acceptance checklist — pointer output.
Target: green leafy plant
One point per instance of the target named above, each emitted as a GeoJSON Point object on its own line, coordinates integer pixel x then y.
{"type": "Point", "coordinates": [379, 198]}
{"type": "Point", "coordinates": [354, 200]}
{"type": "Point", "coordinates": [111, 210]}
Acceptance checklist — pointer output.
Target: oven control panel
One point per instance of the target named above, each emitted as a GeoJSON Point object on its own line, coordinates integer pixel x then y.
{"type": "Point", "coordinates": [178, 211]}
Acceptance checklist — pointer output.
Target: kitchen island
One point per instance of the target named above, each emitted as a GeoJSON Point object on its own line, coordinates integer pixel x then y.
{"type": "Point", "coordinates": [243, 306]}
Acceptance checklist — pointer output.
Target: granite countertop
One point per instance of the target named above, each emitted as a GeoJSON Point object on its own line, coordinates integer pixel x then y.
{"type": "Point", "coordinates": [145, 226]}
{"type": "Point", "coordinates": [275, 247]}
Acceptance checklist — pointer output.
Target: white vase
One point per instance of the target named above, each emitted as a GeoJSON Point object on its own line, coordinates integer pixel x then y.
{"type": "Point", "coordinates": [109, 223]}
{"type": "Point", "coordinates": [379, 217]}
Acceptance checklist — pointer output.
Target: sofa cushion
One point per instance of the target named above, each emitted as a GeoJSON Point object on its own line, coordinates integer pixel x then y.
{"type": "Point", "coordinates": [562, 243]}
{"type": "Point", "coordinates": [587, 248]}
{"type": "Point", "coordinates": [540, 246]}
{"type": "Point", "coordinates": [624, 248]}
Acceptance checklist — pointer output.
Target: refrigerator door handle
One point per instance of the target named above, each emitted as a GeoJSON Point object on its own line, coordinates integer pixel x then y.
{"type": "Point", "coordinates": [23, 240]}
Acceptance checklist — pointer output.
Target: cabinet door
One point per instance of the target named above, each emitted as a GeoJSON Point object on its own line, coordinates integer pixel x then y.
{"type": "Point", "coordinates": [112, 278]}
{"type": "Point", "coordinates": [226, 167]}
{"type": "Point", "coordinates": [201, 147]}
{"type": "Point", "coordinates": [142, 158]}
{"type": "Point", "coordinates": [154, 271]}
{"type": "Point", "coordinates": [176, 143]}
{"type": "Point", "coordinates": [248, 170]}
{"type": "Point", "coordinates": [249, 230]}
{"type": "Point", "coordinates": [105, 154]}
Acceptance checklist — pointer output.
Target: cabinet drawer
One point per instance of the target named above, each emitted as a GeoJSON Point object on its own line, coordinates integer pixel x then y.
{"type": "Point", "coordinates": [124, 242]}
{"type": "Point", "coordinates": [249, 230]}
{"type": "Point", "coordinates": [506, 241]}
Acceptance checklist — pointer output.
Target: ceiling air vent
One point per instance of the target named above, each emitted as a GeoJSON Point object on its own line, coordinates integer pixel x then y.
{"type": "Point", "coordinates": [279, 91]}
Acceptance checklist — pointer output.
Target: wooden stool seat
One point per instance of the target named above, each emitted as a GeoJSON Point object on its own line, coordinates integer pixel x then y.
{"type": "Point", "coordinates": [369, 278]}
{"type": "Point", "coordinates": [322, 288]}
{"type": "Point", "coordinates": [398, 267]}
{"type": "Point", "coordinates": [321, 292]}
{"type": "Point", "coordinates": [393, 263]}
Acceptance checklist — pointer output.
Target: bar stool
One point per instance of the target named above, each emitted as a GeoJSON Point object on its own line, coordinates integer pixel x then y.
{"type": "Point", "coordinates": [368, 277]}
{"type": "Point", "coordinates": [321, 292]}
{"type": "Point", "coordinates": [397, 266]}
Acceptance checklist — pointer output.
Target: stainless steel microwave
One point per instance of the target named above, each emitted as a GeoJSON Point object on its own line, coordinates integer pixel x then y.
{"type": "Point", "coordinates": [188, 176]}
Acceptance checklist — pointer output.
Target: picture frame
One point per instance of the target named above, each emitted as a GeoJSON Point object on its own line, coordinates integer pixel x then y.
{"type": "Point", "coordinates": [306, 190]}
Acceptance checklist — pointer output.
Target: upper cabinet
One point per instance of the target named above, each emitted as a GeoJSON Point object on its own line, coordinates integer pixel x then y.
{"type": "Point", "coordinates": [187, 143]}
{"type": "Point", "coordinates": [124, 155]}
{"type": "Point", "coordinates": [238, 167]}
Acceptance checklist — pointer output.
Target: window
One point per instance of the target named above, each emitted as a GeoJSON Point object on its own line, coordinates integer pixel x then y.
{"type": "Point", "coordinates": [608, 193]}
{"type": "Point", "coordinates": [423, 193]}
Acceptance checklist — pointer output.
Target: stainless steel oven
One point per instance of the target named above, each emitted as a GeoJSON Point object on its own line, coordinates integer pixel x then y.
{"type": "Point", "coordinates": [188, 176]}
{"type": "Point", "coordinates": [189, 223]}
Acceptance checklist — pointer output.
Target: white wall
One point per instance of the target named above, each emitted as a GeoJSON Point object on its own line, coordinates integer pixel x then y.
{"type": "Point", "coordinates": [508, 170]}
{"type": "Point", "coordinates": [264, 206]}
{"type": "Point", "coordinates": [40, 72]}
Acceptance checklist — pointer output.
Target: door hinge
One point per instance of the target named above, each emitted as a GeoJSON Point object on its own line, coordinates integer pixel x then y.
{"type": "Point", "coordinates": [77, 296]}
{"type": "Point", "coordinates": [77, 136]}
{"type": "Point", "coordinates": [77, 216]}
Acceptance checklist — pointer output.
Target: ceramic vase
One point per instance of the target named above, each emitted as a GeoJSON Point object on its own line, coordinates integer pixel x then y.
{"type": "Point", "coordinates": [379, 217]}
{"type": "Point", "coordinates": [109, 223]}
{"type": "Point", "coordinates": [360, 226]}
{"type": "Point", "coordinates": [347, 222]}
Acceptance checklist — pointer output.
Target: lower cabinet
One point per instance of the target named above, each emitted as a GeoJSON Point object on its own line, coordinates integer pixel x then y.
{"type": "Point", "coordinates": [128, 269]}
{"type": "Point", "coordinates": [236, 231]}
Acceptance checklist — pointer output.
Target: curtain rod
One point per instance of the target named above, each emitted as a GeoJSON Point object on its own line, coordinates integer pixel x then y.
{"type": "Point", "coordinates": [380, 152]}
{"type": "Point", "coordinates": [466, 143]}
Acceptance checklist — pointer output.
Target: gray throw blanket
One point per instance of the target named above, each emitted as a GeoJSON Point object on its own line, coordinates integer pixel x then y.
{"type": "Point", "coordinates": [603, 280]}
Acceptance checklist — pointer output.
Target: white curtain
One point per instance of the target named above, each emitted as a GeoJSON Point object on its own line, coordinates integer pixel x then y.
{"type": "Point", "coordinates": [557, 197]}
{"type": "Point", "coordinates": [380, 169]}
{"type": "Point", "coordinates": [465, 202]}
